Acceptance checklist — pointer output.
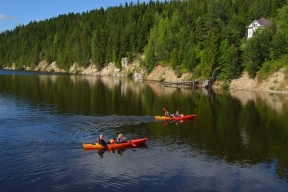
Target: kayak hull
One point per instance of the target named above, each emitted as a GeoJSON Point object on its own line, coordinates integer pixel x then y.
{"type": "Point", "coordinates": [175, 118]}
{"type": "Point", "coordinates": [133, 142]}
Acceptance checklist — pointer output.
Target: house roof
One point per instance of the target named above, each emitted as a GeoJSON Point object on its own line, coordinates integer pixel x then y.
{"type": "Point", "coordinates": [264, 22]}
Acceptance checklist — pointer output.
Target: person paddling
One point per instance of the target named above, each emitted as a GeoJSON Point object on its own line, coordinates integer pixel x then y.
{"type": "Point", "coordinates": [121, 139]}
{"type": "Point", "coordinates": [167, 114]}
{"type": "Point", "coordinates": [177, 114]}
{"type": "Point", "coordinates": [101, 140]}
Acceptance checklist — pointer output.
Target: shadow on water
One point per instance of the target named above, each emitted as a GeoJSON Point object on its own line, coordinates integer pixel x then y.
{"type": "Point", "coordinates": [174, 122]}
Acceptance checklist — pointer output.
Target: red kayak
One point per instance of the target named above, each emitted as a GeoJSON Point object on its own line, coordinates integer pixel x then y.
{"type": "Point", "coordinates": [132, 143]}
{"type": "Point", "coordinates": [175, 118]}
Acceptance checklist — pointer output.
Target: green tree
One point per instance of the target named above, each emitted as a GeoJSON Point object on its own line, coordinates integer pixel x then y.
{"type": "Point", "coordinates": [150, 58]}
{"type": "Point", "coordinates": [191, 59]}
{"type": "Point", "coordinates": [174, 58]}
{"type": "Point", "coordinates": [256, 50]}
{"type": "Point", "coordinates": [282, 24]}
{"type": "Point", "coordinates": [229, 61]}
{"type": "Point", "coordinates": [210, 54]}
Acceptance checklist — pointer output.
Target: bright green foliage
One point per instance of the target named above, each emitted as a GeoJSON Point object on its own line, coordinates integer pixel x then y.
{"type": "Point", "coordinates": [201, 36]}
{"type": "Point", "coordinates": [278, 46]}
{"type": "Point", "coordinates": [150, 57]}
{"type": "Point", "coordinates": [229, 61]}
{"type": "Point", "coordinates": [210, 54]}
{"type": "Point", "coordinates": [223, 52]}
{"type": "Point", "coordinates": [256, 50]}
{"type": "Point", "coordinates": [191, 59]}
{"type": "Point", "coordinates": [234, 31]}
{"type": "Point", "coordinates": [283, 24]}
{"type": "Point", "coordinates": [174, 58]}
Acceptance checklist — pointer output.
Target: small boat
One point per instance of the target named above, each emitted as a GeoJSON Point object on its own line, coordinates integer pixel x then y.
{"type": "Point", "coordinates": [175, 118]}
{"type": "Point", "coordinates": [131, 143]}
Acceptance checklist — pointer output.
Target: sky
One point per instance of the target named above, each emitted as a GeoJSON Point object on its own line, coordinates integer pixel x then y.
{"type": "Point", "coordinates": [21, 12]}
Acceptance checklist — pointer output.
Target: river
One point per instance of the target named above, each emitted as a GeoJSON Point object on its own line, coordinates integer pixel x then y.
{"type": "Point", "coordinates": [237, 142]}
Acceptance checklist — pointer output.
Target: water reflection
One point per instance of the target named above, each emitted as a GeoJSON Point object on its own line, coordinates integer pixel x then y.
{"type": "Point", "coordinates": [118, 151]}
{"type": "Point", "coordinates": [175, 122]}
{"type": "Point", "coordinates": [276, 101]}
{"type": "Point", "coordinates": [52, 88]}
{"type": "Point", "coordinates": [233, 128]}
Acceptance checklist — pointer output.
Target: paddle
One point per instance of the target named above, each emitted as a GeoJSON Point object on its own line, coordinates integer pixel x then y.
{"type": "Point", "coordinates": [132, 149]}
{"type": "Point", "coordinates": [167, 112]}
{"type": "Point", "coordinates": [133, 144]}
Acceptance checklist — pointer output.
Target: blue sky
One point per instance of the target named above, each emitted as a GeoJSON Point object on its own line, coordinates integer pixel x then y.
{"type": "Point", "coordinates": [15, 12]}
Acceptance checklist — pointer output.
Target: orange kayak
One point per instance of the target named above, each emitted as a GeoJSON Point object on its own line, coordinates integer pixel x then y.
{"type": "Point", "coordinates": [132, 143]}
{"type": "Point", "coordinates": [176, 118]}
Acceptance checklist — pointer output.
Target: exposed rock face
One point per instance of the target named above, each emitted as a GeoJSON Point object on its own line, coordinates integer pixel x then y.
{"type": "Point", "coordinates": [276, 81]}
{"type": "Point", "coordinates": [44, 66]}
{"type": "Point", "coordinates": [160, 73]}
{"type": "Point", "coordinates": [124, 62]}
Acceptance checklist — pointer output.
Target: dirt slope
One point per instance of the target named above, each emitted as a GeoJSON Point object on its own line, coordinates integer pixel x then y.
{"type": "Point", "coordinates": [274, 83]}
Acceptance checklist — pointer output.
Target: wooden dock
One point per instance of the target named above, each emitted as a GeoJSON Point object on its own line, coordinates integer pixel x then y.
{"type": "Point", "coordinates": [193, 84]}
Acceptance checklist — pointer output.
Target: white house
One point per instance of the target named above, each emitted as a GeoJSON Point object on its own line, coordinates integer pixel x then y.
{"type": "Point", "coordinates": [256, 24]}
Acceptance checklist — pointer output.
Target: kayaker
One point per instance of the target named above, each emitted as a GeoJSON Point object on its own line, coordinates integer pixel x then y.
{"type": "Point", "coordinates": [101, 140]}
{"type": "Point", "coordinates": [167, 114]}
{"type": "Point", "coordinates": [121, 139]}
{"type": "Point", "coordinates": [177, 114]}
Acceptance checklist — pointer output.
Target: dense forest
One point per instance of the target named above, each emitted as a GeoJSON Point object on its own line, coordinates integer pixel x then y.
{"type": "Point", "coordinates": [201, 36]}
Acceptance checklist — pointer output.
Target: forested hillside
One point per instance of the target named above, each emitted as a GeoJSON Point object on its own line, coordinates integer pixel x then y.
{"type": "Point", "coordinates": [200, 36]}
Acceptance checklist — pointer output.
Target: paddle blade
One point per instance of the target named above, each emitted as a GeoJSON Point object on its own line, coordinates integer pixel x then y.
{"type": "Point", "coordinates": [133, 144]}
{"type": "Point", "coordinates": [167, 112]}
{"type": "Point", "coordinates": [110, 149]}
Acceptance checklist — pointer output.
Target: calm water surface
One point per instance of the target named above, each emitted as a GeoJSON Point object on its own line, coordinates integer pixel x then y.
{"type": "Point", "coordinates": [238, 141]}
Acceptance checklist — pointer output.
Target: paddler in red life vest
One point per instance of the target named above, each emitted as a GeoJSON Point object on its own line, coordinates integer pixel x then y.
{"type": "Point", "coordinates": [101, 140]}
{"type": "Point", "coordinates": [166, 114]}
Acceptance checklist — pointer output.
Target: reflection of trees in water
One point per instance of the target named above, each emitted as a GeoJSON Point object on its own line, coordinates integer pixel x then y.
{"type": "Point", "coordinates": [249, 134]}
{"type": "Point", "coordinates": [119, 151]}
{"type": "Point", "coordinates": [275, 101]}
{"type": "Point", "coordinates": [160, 90]}
{"type": "Point", "coordinates": [136, 87]}
{"type": "Point", "coordinates": [88, 79]}
{"type": "Point", "coordinates": [77, 93]}
{"type": "Point", "coordinates": [210, 93]}
{"type": "Point", "coordinates": [175, 122]}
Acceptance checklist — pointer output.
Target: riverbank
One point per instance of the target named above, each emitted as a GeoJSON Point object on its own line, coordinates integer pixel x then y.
{"type": "Point", "coordinates": [275, 83]}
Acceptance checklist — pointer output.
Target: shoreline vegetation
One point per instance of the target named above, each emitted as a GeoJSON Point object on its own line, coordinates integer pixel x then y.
{"type": "Point", "coordinates": [244, 88]}
{"type": "Point", "coordinates": [275, 83]}
{"type": "Point", "coordinates": [168, 41]}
